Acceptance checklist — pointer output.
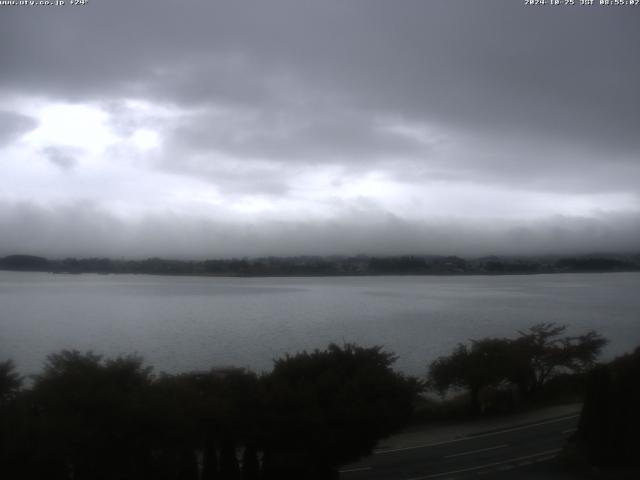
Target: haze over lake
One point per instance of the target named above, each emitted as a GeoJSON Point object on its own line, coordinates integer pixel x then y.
{"type": "Point", "coordinates": [187, 323]}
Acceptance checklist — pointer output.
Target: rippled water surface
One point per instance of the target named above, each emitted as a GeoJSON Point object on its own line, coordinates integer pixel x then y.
{"type": "Point", "coordinates": [180, 323]}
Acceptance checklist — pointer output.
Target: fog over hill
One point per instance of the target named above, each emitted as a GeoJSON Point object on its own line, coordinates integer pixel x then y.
{"type": "Point", "coordinates": [251, 128]}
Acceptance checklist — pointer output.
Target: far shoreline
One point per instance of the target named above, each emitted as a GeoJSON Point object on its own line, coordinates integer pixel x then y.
{"type": "Point", "coordinates": [319, 275]}
{"type": "Point", "coordinates": [330, 266]}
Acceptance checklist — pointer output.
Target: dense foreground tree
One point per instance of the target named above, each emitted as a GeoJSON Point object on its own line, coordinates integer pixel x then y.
{"type": "Point", "coordinates": [327, 408]}
{"type": "Point", "coordinates": [10, 384]}
{"type": "Point", "coordinates": [87, 417]}
{"type": "Point", "coordinates": [90, 418]}
{"type": "Point", "coordinates": [527, 362]}
{"type": "Point", "coordinates": [10, 381]}
{"type": "Point", "coordinates": [610, 420]}
{"type": "Point", "coordinates": [483, 363]}
{"type": "Point", "coordinates": [541, 352]}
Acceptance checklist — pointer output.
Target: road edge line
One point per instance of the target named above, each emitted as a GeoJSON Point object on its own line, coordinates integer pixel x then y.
{"type": "Point", "coordinates": [473, 436]}
{"type": "Point", "coordinates": [488, 465]}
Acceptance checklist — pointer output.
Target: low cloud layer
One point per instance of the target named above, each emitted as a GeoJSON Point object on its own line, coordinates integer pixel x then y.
{"type": "Point", "coordinates": [287, 127]}
{"type": "Point", "coordinates": [87, 231]}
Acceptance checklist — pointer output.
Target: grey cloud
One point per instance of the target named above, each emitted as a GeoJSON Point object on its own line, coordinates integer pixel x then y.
{"type": "Point", "coordinates": [64, 158]}
{"type": "Point", "coordinates": [82, 226]}
{"type": "Point", "coordinates": [234, 178]}
{"type": "Point", "coordinates": [497, 65]}
{"type": "Point", "coordinates": [289, 138]}
{"type": "Point", "coordinates": [13, 125]}
{"type": "Point", "coordinates": [219, 77]}
{"type": "Point", "coordinates": [303, 136]}
{"type": "Point", "coordinates": [83, 229]}
{"type": "Point", "coordinates": [527, 164]}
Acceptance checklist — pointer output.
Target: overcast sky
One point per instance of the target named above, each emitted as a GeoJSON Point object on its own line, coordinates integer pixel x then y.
{"type": "Point", "coordinates": [228, 128]}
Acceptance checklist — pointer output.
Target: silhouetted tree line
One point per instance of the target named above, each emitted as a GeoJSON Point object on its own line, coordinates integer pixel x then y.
{"type": "Point", "coordinates": [593, 264]}
{"type": "Point", "coordinates": [522, 366]}
{"type": "Point", "coordinates": [336, 265]}
{"type": "Point", "coordinates": [501, 266]}
{"type": "Point", "coordinates": [86, 417]}
{"type": "Point", "coordinates": [610, 420]}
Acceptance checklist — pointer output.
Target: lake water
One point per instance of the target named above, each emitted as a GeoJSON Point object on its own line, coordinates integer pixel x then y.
{"type": "Point", "coordinates": [186, 323]}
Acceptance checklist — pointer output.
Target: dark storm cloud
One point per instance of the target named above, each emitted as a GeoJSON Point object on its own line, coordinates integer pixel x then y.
{"type": "Point", "coordinates": [13, 125]}
{"type": "Point", "coordinates": [565, 73]}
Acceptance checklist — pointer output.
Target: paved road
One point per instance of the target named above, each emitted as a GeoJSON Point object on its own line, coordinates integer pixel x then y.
{"type": "Point", "coordinates": [489, 454]}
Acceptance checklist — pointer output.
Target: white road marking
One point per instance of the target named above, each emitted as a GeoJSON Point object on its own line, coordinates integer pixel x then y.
{"type": "Point", "coordinates": [471, 452]}
{"type": "Point", "coordinates": [488, 465]}
{"type": "Point", "coordinates": [471, 437]}
{"type": "Point", "coordinates": [356, 469]}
